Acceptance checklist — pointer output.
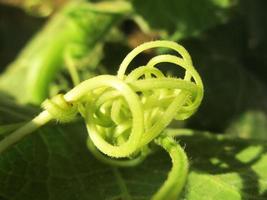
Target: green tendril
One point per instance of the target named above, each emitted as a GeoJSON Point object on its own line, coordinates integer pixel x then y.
{"type": "Point", "coordinates": [60, 109]}
{"type": "Point", "coordinates": [177, 176]}
{"type": "Point", "coordinates": [125, 113]}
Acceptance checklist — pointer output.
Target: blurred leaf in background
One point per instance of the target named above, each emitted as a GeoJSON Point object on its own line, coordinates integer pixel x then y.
{"type": "Point", "coordinates": [40, 8]}
{"type": "Point", "coordinates": [75, 31]}
{"type": "Point", "coordinates": [182, 19]}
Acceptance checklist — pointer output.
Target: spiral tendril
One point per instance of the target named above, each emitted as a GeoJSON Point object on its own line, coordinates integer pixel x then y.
{"type": "Point", "coordinates": [124, 113]}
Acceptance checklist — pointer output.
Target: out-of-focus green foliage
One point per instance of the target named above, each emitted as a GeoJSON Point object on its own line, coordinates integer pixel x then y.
{"type": "Point", "coordinates": [180, 19]}
{"type": "Point", "coordinates": [73, 32]}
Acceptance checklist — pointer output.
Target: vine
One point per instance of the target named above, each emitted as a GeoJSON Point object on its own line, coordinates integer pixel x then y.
{"type": "Point", "coordinates": [125, 114]}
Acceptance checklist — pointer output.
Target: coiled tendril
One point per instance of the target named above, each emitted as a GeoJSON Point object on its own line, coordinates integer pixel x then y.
{"type": "Point", "coordinates": [125, 113]}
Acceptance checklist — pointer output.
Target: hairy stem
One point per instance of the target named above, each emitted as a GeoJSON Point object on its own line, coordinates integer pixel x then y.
{"type": "Point", "coordinates": [175, 182]}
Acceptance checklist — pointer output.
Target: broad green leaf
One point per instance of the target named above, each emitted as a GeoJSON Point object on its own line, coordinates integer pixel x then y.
{"type": "Point", "coordinates": [54, 163]}
{"type": "Point", "coordinates": [183, 18]}
{"type": "Point", "coordinates": [11, 112]}
{"type": "Point", "coordinates": [223, 168]}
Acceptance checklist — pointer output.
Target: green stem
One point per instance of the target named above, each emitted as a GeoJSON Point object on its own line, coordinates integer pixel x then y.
{"type": "Point", "coordinates": [175, 182]}
{"type": "Point", "coordinates": [10, 127]}
{"type": "Point", "coordinates": [72, 68]}
{"type": "Point", "coordinates": [28, 128]}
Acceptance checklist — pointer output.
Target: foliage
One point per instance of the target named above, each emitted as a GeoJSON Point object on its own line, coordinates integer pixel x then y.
{"type": "Point", "coordinates": [226, 41]}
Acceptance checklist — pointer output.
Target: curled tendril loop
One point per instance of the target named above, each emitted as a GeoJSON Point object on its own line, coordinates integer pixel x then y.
{"type": "Point", "coordinates": [60, 109]}
{"type": "Point", "coordinates": [124, 113]}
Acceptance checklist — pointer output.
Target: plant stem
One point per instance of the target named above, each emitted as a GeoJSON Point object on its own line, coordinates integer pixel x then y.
{"type": "Point", "coordinates": [174, 184]}
{"type": "Point", "coordinates": [28, 128]}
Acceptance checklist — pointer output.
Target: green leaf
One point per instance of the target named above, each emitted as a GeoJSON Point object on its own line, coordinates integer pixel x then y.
{"type": "Point", "coordinates": [225, 168]}
{"type": "Point", "coordinates": [183, 18]}
{"type": "Point", "coordinates": [11, 112]}
{"type": "Point", "coordinates": [54, 163]}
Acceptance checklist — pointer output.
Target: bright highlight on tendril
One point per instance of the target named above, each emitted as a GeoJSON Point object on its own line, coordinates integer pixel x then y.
{"type": "Point", "coordinates": [125, 113]}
